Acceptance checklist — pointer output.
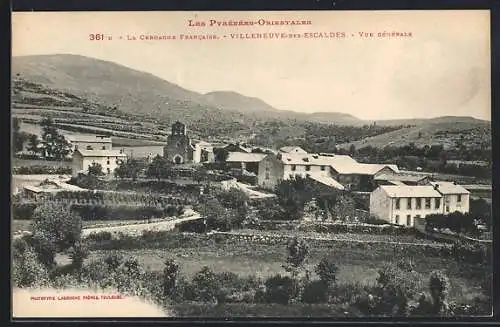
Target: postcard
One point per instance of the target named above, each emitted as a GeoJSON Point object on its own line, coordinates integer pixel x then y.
{"type": "Point", "coordinates": [251, 164]}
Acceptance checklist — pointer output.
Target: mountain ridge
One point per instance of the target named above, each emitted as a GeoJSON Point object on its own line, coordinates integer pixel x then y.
{"type": "Point", "coordinates": [135, 91]}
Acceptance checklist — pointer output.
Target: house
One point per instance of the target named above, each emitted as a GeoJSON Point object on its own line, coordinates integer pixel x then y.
{"type": "Point", "coordinates": [179, 148]}
{"type": "Point", "coordinates": [204, 152]}
{"type": "Point", "coordinates": [246, 161]}
{"type": "Point", "coordinates": [270, 172]}
{"type": "Point", "coordinates": [359, 176]}
{"type": "Point", "coordinates": [402, 204]}
{"type": "Point", "coordinates": [238, 148]}
{"type": "Point", "coordinates": [455, 197]}
{"type": "Point", "coordinates": [108, 159]}
{"type": "Point", "coordinates": [89, 142]}
{"type": "Point", "coordinates": [393, 178]}
{"type": "Point", "coordinates": [292, 149]}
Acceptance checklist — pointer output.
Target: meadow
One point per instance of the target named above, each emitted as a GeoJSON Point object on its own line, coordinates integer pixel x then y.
{"type": "Point", "coordinates": [358, 263]}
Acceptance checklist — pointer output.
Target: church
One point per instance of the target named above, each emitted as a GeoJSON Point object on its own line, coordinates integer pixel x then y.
{"type": "Point", "coordinates": [179, 148]}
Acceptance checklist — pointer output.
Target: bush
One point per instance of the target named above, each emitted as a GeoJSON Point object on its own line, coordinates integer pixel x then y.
{"type": "Point", "coordinates": [39, 170]}
{"type": "Point", "coordinates": [280, 289]}
{"type": "Point", "coordinates": [327, 271]}
{"type": "Point", "coordinates": [315, 292]}
{"type": "Point", "coordinates": [27, 271]}
{"type": "Point", "coordinates": [472, 252]}
{"type": "Point", "coordinates": [206, 286]}
{"type": "Point", "coordinates": [23, 211]}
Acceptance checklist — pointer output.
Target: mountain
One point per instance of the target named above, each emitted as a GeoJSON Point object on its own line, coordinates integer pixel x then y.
{"type": "Point", "coordinates": [425, 121]}
{"type": "Point", "coordinates": [229, 100]}
{"type": "Point", "coordinates": [140, 93]}
{"type": "Point", "coordinates": [448, 131]}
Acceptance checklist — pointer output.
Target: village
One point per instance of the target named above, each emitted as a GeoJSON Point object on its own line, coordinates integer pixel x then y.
{"type": "Point", "coordinates": [395, 196]}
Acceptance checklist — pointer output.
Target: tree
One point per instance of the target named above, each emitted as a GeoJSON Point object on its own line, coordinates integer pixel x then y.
{"type": "Point", "coordinates": [297, 250]}
{"type": "Point", "coordinates": [170, 275]}
{"type": "Point", "coordinates": [158, 168]}
{"type": "Point", "coordinates": [18, 137]}
{"type": "Point", "coordinates": [55, 228]}
{"type": "Point", "coordinates": [95, 169]}
{"type": "Point", "coordinates": [439, 286]}
{"type": "Point", "coordinates": [128, 169]}
{"type": "Point", "coordinates": [206, 285]}
{"type": "Point", "coordinates": [56, 146]}
{"type": "Point", "coordinates": [27, 271]}
{"type": "Point", "coordinates": [352, 149]}
{"type": "Point", "coordinates": [327, 271]}
{"type": "Point", "coordinates": [292, 195]}
{"type": "Point", "coordinates": [33, 143]}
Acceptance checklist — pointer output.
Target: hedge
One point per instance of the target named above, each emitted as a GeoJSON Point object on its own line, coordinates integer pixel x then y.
{"type": "Point", "coordinates": [104, 212]}
{"type": "Point", "coordinates": [39, 169]}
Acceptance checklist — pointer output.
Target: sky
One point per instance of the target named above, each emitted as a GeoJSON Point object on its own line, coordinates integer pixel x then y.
{"type": "Point", "coordinates": [442, 69]}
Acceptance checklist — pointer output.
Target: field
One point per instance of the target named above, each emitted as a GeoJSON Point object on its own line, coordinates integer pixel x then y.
{"type": "Point", "coordinates": [357, 264]}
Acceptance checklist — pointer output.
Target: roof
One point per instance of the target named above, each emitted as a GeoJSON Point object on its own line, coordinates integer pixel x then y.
{"type": "Point", "coordinates": [420, 191]}
{"type": "Point", "coordinates": [449, 188]}
{"type": "Point", "coordinates": [89, 138]}
{"type": "Point", "coordinates": [400, 177]}
{"type": "Point", "coordinates": [101, 153]}
{"type": "Point", "coordinates": [245, 157]}
{"type": "Point", "coordinates": [288, 149]}
{"type": "Point", "coordinates": [315, 159]}
{"type": "Point", "coordinates": [328, 181]}
{"type": "Point", "coordinates": [239, 146]}
{"type": "Point", "coordinates": [363, 168]}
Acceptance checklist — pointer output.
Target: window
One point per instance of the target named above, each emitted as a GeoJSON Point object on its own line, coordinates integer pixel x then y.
{"type": "Point", "coordinates": [408, 220]}
{"type": "Point", "coordinates": [417, 216]}
{"type": "Point", "coordinates": [109, 170]}
{"type": "Point", "coordinates": [308, 168]}
{"type": "Point", "coordinates": [294, 167]}
{"type": "Point", "coordinates": [459, 198]}
{"type": "Point", "coordinates": [76, 146]}
{"type": "Point", "coordinates": [107, 162]}
{"type": "Point", "coordinates": [89, 147]}
{"type": "Point", "coordinates": [427, 203]}
{"type": "Point", "coordinates": [104, 147]}
{"type": "Point", "coordinates": [267, 175]}
{"type": "Point", "coordinates": [437, 203]}
{"type": "Point", "coordinates": [408, 203]}
{"type": "Point", "coordinates": [323, 167]}
{"type": "Point", "coordinates": [397, 219]}
{"type": "Point", "coordinates": [447, 208]}
{"type": "Point", "coordinates": [419, 203]}
{"type": "Point", "coordinates": [397, 203]}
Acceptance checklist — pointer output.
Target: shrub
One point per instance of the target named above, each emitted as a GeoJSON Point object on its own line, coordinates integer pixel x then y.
{"type": "Point", "coordinates": [23, 211]}
{"type": "Point", "coordinates": [206, 285]}
{"type": "Point", "coordinates": [327, 271]}
{"type": "Point", "coordinates": [27, 271]}
{"type": "Point", "coordinates": [280, 289]}
{"type": "Point", "coordinates": [170, 274]}
{"type": "Point", "coordinates": [315, 292]}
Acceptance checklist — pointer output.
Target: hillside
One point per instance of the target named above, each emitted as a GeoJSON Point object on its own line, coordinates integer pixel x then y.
{"type": "Point", "coordinates": [447, 131]}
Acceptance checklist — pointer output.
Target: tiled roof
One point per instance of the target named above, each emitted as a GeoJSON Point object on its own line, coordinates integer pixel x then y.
{"type": "Point", "coordinates": [314, 159]}
{"type": "Point", "coordinates": [449, 188]}
{"type": "Point", "coordinates": [101, 153]}
{"type": "Point", "coordinates": [362, 168]}
{"type": "Point", "coordinates": [245, 157]}
{"type": "Point", "coordinates": [421, 191]}
{"type": "Point", "coordinates": [288, 149]}
{"type": "Point", "coordinates": [328, 181]}
{"type": "Point", "coordinates": [399, 177]}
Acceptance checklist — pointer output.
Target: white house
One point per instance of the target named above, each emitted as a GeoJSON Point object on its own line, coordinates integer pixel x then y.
{"type": "Point", "coordinates": [108, 159]}
{"type": "Point", "coordinates": [89, 142]}
{"type": "Point", "coordinates": [401, 204]}
{"type": "Point", "coordinates": [455, 197]}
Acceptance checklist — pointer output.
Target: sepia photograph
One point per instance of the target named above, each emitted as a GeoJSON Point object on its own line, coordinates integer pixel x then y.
{"type": "Point", "coordinates": [259, 164]}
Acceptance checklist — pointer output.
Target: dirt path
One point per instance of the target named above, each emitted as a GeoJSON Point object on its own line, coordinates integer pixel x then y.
{"type": "Point", "coordinates": [138, 229]}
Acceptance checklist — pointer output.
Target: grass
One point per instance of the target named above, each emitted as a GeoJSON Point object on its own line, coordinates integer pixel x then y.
{"type": "Point", "coordinates": [357, 264]}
